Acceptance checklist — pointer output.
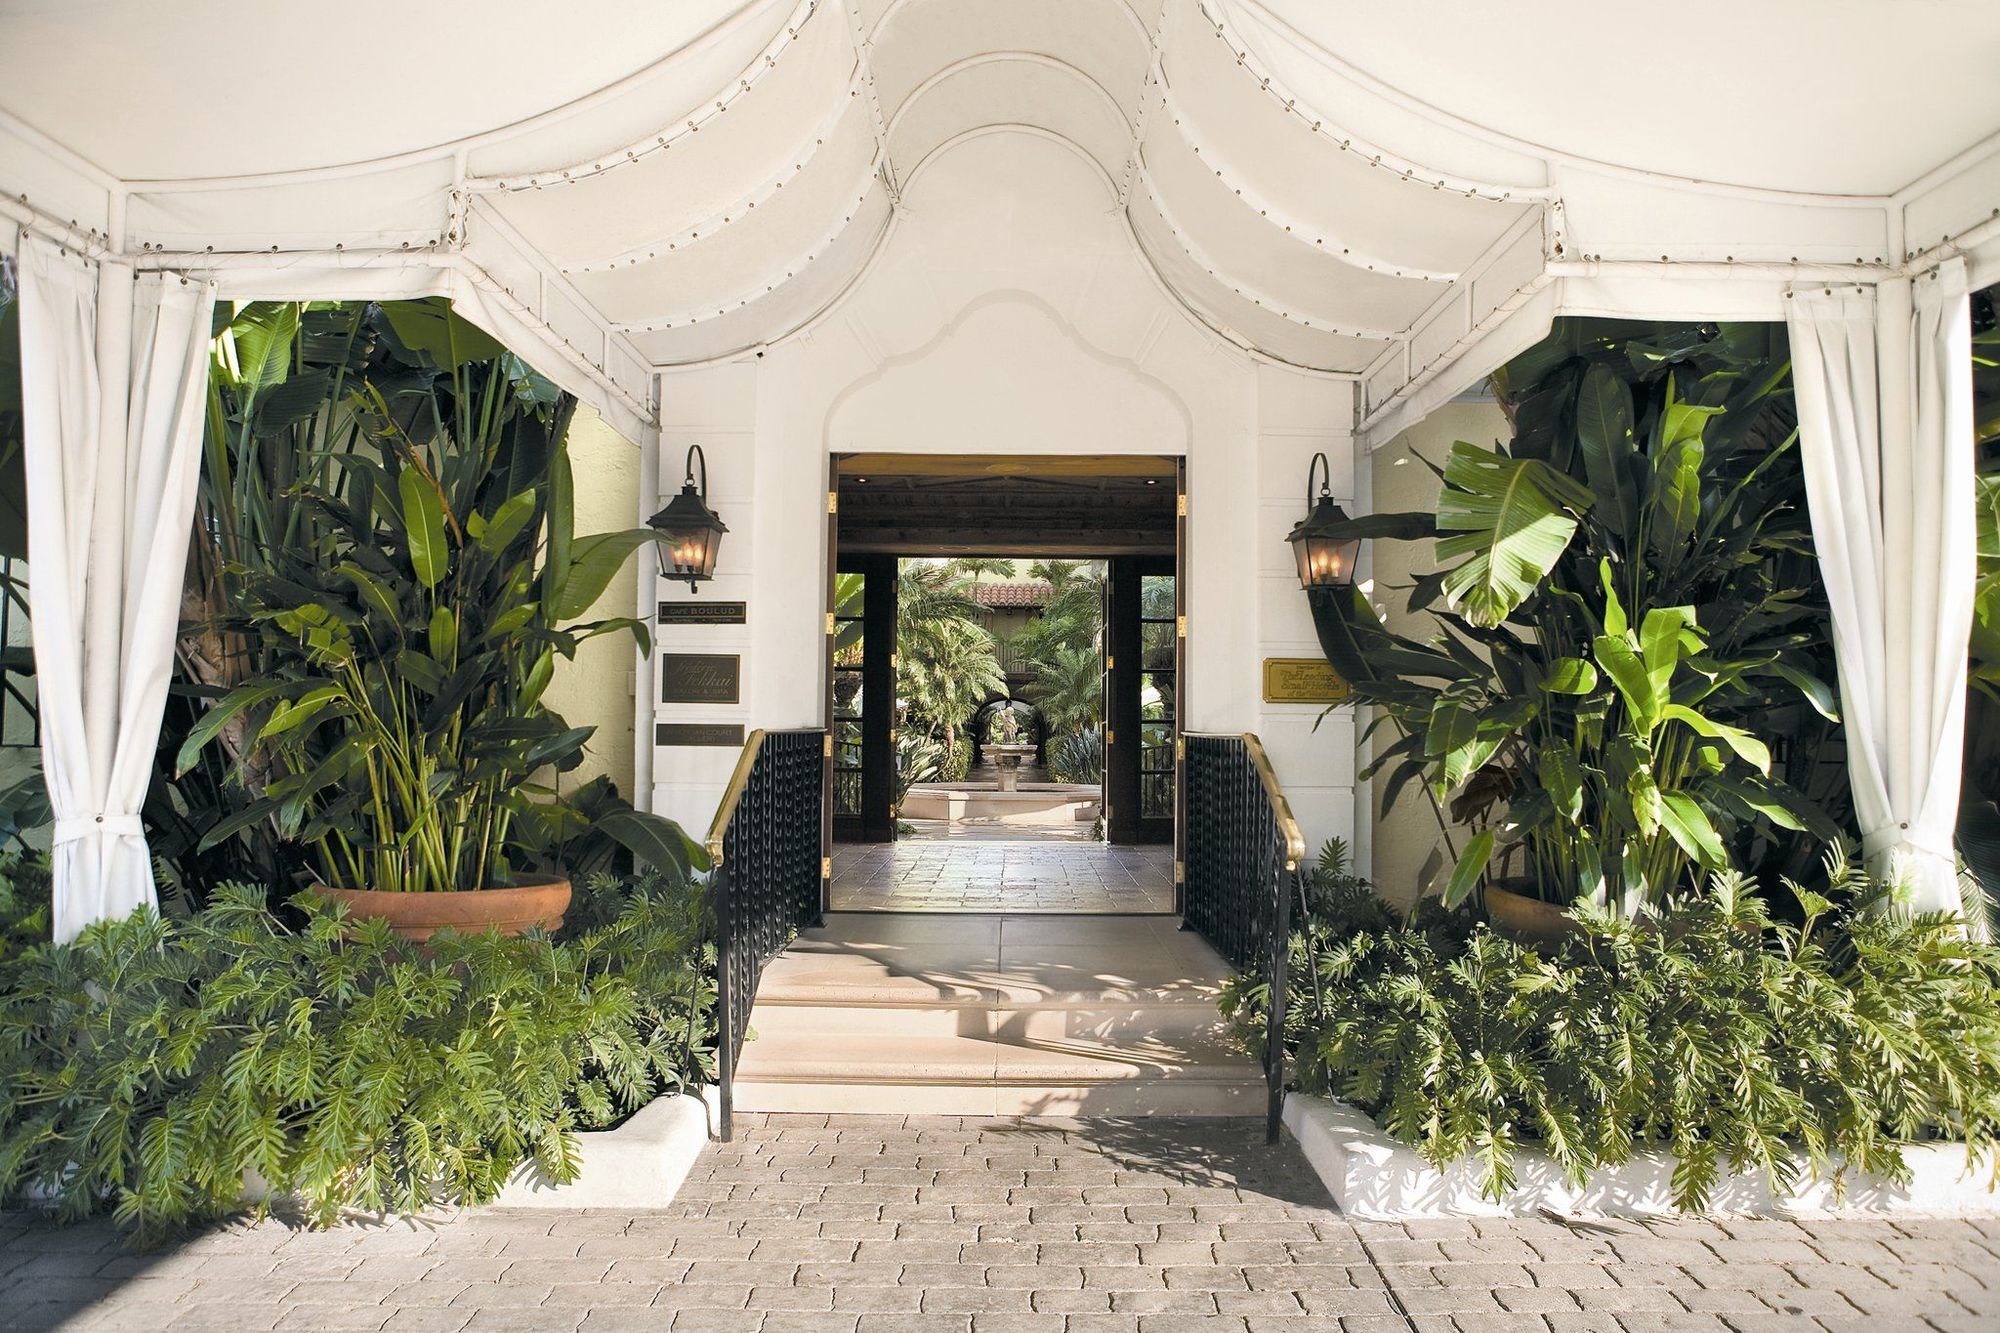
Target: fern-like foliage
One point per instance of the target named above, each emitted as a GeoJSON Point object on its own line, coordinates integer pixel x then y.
{"type": "Point", "coordinates": [1735, 1041]}
{"type": "Point", "coordinates": [147, 1066]}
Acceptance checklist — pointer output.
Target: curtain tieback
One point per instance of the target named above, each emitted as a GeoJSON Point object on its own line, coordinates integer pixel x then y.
{"type": "Point", "coordinates": [116, 826]}
{"type": "Point", "coordinates": [1891, 837]}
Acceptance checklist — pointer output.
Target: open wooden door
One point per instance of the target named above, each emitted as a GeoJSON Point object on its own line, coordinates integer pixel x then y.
{"type": "Point", "coordinates": [1142, 701]}
{"type": "Point", "coordinates": [863, 670]}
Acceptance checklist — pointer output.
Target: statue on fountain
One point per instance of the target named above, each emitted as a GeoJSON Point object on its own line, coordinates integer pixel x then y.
{"type": "Point", "coordinates": [1005, 747]}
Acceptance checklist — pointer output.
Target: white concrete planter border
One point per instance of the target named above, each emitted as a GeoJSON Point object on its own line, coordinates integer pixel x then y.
{"type": "Point", "coordinates": [1371, 1174]}
{"type": "Point", "coordinates": [640, 1164]}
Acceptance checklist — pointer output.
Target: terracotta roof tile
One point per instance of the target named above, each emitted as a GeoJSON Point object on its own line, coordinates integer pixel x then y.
{"type": "Point", "coordinates": [997, 596]}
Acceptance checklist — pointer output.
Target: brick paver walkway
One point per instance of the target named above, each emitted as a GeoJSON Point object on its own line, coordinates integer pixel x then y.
{"type": "Point", "coordinates": [882, 1224]}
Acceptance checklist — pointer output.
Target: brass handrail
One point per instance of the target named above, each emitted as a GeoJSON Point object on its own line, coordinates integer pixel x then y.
{"type": "Point", "coordinates": [1288, 827]}
{"type": "Point", "coordinates": [718, 828]}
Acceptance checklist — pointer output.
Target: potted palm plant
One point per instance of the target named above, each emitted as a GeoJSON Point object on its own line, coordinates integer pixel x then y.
{"type": "Point", "coordinates": [407, 626]}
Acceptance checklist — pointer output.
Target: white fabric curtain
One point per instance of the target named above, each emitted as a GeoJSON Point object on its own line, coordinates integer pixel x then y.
{"type": "Point", "coordinates": [1884, 383]}
{"type": "Point", "coordinates": [114, 372]}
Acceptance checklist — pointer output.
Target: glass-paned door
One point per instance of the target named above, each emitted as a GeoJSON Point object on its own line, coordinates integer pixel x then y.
{"type": "Point", "coordinates": [850, 591]}
{"type": "Point", "coordinates": [1142, 654]}
{"type": "Point", "coordinates": [1159, 668]}
{"type": "Point", "coordinates": [862, 674]}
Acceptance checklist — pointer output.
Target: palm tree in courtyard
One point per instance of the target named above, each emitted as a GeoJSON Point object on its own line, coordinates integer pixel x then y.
{"type": "Point", "coordinates": [1068, 687]}
{"type": "Point", "coordinates": [946, 660]}
{"type": "Point", "coordinates": [978, 567]}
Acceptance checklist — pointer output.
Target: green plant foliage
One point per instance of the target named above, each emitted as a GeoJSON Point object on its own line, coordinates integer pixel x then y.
{"type": "Point", "coordinates": [919, 758]}
{"type": "Point", "coordinates": [147, 1066]}
{"type": "Point", "coordinates": [1979, 791]}
{"type": "Point", "coordinates": [1062, 647]}
{"type": "Point", "coordinates": [1627, 606]}
{"type": "Point", "coordinates": [1736, 1042]}
{"type": "Point", "coordinates": [1079, 756]}
{"type": "Point", "coordinates": [947, 663]}
{"type": "Point", "coordinates": [389, 575]}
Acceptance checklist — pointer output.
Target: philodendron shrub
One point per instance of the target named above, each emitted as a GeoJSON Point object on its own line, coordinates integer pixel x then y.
{"type": "Point", "coordinates": [145, 1067]}
{"type": "Point", "coordinates": [1625, 620]}
{"type": "Point", "coordinates": [1739, 1043]}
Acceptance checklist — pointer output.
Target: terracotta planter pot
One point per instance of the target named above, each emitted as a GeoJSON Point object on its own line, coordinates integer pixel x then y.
{"type": "Point", "coordinates": [1529, 920]}
{"type": "Point", "coordinates": [417, 916]}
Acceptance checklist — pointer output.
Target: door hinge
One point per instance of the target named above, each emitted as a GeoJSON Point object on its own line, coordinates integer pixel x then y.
{"type": "Point", "coordinates": [1108, 737]}
{"type": "Point", "coordinates": [1180, 627]}
{"type": "Point", "coordinates": [1110, 662]}
{"type": "Point", "coordinates": [829, 622]}
{"type": "Point", "coordinates": [833, 502]}
{"type": "Point", "coordinates": [827, 749]}
{"type": "Point", "coordinates": [1180, 872]}
{"type": "Point", "coordinates": [1180, 749]}
{"type": "Point", "coordinates": [826, 867]}
{"type": "Point", "coordinates": [1180, 505]}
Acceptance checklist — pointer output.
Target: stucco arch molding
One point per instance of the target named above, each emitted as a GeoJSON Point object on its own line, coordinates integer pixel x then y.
{"type": "Point", "coordinates": [1089, 398]}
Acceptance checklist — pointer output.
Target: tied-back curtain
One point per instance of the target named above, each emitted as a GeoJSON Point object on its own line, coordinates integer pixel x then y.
{"type": "Point", "coordinates": [114, 373]}
{"type": "Point", "coordinates": [1884, 384]}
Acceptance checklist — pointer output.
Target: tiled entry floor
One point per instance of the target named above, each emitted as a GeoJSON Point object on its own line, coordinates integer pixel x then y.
{"type": "Point", "coordinates": [923, 875]}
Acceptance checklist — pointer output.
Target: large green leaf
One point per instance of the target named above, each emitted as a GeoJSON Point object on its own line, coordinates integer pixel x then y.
{"type": "Point", "coordinates": [1620, 660]}
{"type": "Point", "coordinates": [1816, 691]}
{"type": "Point", "coordinates": [1690, 827]}
{"type": "Point", "coordinates": [1562, 779]}
{"type": "Point", "coordinates": [1665, 636]}
{"type": "Point", "coordinates": [423, 520]}
{"type": "Point", "coordinates": [594, 561]}
{"type": "Point", "coordinates": [263, 333]}
{"type": "Point", "coordinates": [1471, 865]}
{"type": "Point", "coordinates": [1604, 437]}
{"type": "Point", "coordinates": [218, 717]}
{"type": "Point", "coordinates": [654, 841]}
{"type": "Point", "coordinates": [1746, 747]}
{"type": "Point", "coordinates": [561, 519]}
{"type": "Point", "coordinates": [1676, 497]}
{"type": "Point", "coordinates": [507, 522]}
{"type": "Point", "coordinates": [1509, 521]}
{"type": "Point", "coordinates": [435, 331]}
{"type": "Point", "coordinates": [1570, 675]}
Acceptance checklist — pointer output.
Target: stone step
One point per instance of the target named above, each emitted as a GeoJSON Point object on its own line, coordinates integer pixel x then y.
{"type": "Point", "coordinates": [990, 1015]}
{"type": "Point", "coordinates": [1095, 1018]}
{"type": "Point", "coordinates": [998, 1075]}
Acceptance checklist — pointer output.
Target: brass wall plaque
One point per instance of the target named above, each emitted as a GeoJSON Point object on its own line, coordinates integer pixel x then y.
{"type": "Point", "coordinates": [1303, 680]}
{"type": "Point", "coordinates": [729, 734]}
{"type": "Point", "coordinates": [700, 678]}
{"type": "Point", "coordinates": [702, 613]}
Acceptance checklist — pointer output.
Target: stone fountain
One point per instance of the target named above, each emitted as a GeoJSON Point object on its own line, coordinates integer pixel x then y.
{"type": "Point", "coordinates": [1006, 749]}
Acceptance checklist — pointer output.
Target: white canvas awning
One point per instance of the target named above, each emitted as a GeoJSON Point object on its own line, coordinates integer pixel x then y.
{"type": "Point", "coordinates": [1366, 191]}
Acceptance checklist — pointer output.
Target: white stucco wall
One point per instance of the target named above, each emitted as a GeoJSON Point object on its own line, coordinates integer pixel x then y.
{"type": "Point", "coordinates": [596, 688]}
{"type": "Point", "coordinates": [1405, 834]}
{"type": "Point", "coordinates": [1009, 314]}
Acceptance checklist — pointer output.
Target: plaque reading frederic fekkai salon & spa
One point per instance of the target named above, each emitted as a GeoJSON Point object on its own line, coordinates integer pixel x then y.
{"type": "Point", "coordinates": [700, 678]}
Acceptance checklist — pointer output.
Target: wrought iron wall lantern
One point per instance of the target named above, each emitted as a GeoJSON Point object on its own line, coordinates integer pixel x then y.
{"type": "Point", "coordinates": [689, 530]}
{"type": "Point", "coordinates": [1324, 539]}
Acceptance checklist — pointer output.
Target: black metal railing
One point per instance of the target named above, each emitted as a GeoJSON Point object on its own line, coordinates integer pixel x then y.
{"type": "Point", "coordinates": [1242, 855]}
{"type": "Point", "coordinates": [766, 846]}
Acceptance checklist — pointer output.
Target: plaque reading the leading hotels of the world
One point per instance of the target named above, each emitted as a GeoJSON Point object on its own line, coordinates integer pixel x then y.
{"type": "Point", "coordinates": [1303, 680]}
{"type": "Point", "coordinates": [700, 678]}
{"type": "Point", "coordinates": [702, 613]}
{"type": "Point", "coordinates": [728, 734]}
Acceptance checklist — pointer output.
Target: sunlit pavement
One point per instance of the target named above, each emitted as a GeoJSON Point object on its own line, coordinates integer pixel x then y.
{"type": "Point", "coordinates": [873, 1224]}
